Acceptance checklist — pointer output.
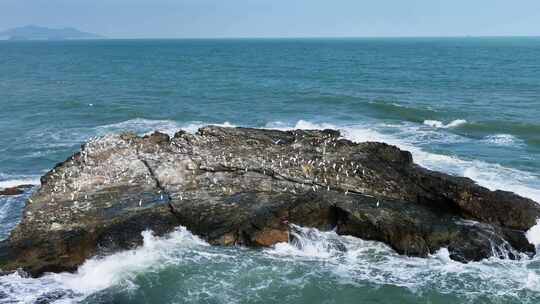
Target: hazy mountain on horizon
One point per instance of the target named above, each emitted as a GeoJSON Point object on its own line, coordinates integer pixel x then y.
{"type": "Point", "coordinates": [33, 32]}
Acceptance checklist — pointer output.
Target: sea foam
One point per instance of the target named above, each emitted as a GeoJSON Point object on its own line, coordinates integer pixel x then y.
{"type": "Point", "coordinates": [356, 261]}
{"type": "Point", "coordinates": [533, 235]}
{"type": "Point", "coordinates": [439, 124]}
{"type": "Point", "coordinates": [9, 180]}
{"type": "Point", "coordinates": [310, 257]}
{"type": "Point", "coordinates": [139, 126]}
{"type": "Point", "coordinates": [96, 274]}
{"type": "Point", "coordinates": [502, 140]}
{"type": "Point", "coordinates": [121, 268]}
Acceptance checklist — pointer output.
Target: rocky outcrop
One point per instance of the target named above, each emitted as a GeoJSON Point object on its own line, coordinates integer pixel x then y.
{"type": "Point", "coordinates": [17, 190]}
{"type": "Point", "coordinates": [246, 186]}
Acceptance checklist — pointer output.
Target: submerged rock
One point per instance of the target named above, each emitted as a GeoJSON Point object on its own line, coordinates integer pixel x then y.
{"type": "Point", "coordinates": [17, 190]}
{"type": "Point", "coordinates": [246, 186]}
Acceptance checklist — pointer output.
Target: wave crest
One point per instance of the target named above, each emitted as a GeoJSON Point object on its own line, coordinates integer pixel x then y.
{"type": "Point", "coordinates": [97, 274]}
{"type": "Point", "coordinates": [440, 125]}
{"type": "Point", "coordinates": [502, 140]}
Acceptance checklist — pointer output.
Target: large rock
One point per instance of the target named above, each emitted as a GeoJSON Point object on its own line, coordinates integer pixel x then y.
{"type": "Point", "coordinates": [246, 186]}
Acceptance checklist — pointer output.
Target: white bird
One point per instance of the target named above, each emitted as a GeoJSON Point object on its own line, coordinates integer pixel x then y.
{"type": "Point", "coordinates": [140, 203]}
{"type": "Point", "coordinates": [378, 203]}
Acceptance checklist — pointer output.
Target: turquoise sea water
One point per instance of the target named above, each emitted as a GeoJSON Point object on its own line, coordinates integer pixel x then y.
{"type": "Point", "coordinates": [466, 106]}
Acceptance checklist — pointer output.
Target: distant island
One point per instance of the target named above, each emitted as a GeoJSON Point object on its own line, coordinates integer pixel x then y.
{"type": "Point", "coordinates": [32, 32]}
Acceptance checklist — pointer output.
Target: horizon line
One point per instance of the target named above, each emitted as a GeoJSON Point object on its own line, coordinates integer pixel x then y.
{"type": "Point", "coordinates": [330, 37]}
{"type": "Point", "coordinates": [103, 37]}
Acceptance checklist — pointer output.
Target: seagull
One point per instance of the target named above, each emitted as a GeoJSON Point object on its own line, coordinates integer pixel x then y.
{"type": "Point", "coordinates": [378, 203]}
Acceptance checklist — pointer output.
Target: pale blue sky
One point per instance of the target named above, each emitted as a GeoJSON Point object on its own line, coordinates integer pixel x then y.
{"type": "Point", "coordinates": [278, 18]}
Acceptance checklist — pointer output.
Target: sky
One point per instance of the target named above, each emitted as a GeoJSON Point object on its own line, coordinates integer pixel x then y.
{"type": "Point", "coordinates": [278, 18]}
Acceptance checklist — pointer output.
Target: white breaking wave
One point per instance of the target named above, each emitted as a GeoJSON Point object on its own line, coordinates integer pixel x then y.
{"type": "Point", "coordinates": [18, 182]}
{"type": "Point", "coordinates": [4, 208]}
{"type": "Point", "coordinates": [121, 268]}
{"type": "Point", "coordinates": [194, 126]}
{"type": "Point", "coordinates": [96, 274]}
{"type": "Point", "coordinates": [533, 235]}
{"type": "Point", "coordinates": [10, 212]}
{"type": "Point", "coordinates": [47, 141]}
{"type": "Point", "coordinates": [439, 124]}
{"type": "Point", "coordinates": [312, 256]}
{"type": "Point", "coordinates": [7, 181]}
{"type": "Point", "coordinates": [502, 140]}
{"type": "Point", "coordinates": [354, 261]}
{"type": "Point", "coordinates": [146, 126]}
{"type": "Point", "coordinates": [491, 176]}
{"type": "Point", "coordinates": [140, 126]}
{"type": "Point", "coordinates": [307, 243]}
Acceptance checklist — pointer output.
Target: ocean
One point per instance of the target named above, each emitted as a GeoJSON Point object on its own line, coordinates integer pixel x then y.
{"type": "Point", "coordinates": [466, 106]}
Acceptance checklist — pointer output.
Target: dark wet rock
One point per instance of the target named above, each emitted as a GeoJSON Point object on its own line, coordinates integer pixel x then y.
{"type": "Point", "coordinates": [246, 186]}
{"type": "Point", "coordinates": [17, 190]}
